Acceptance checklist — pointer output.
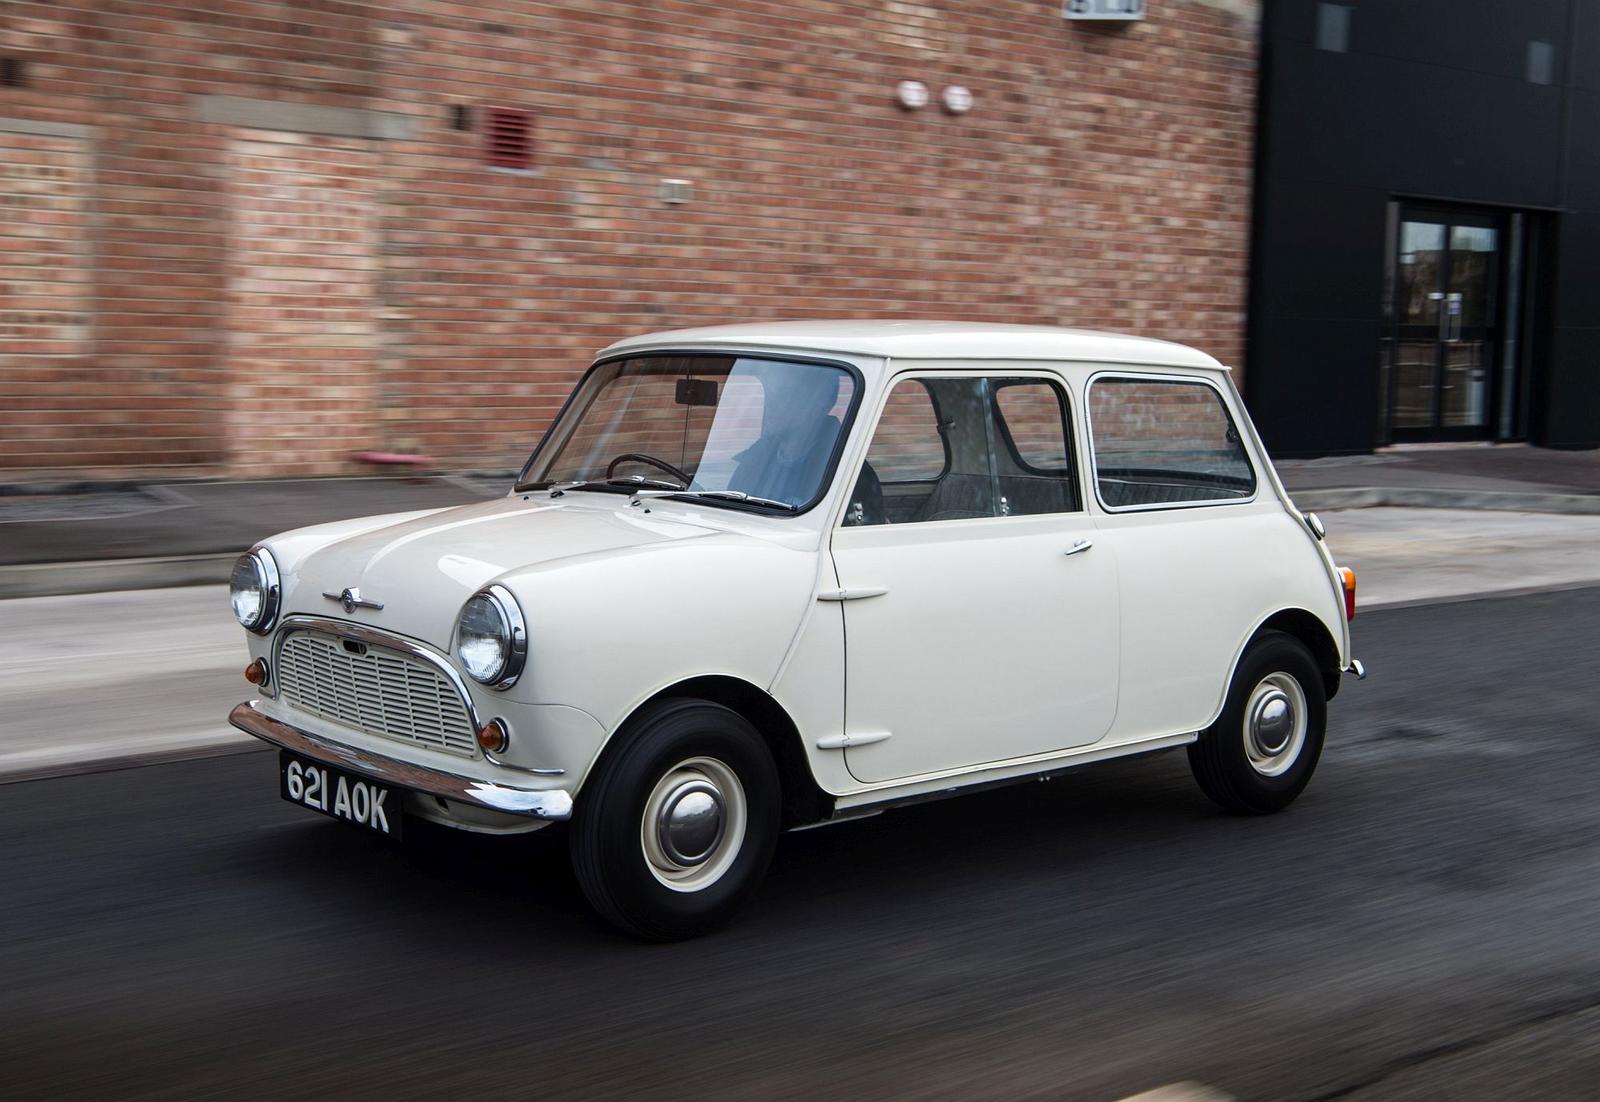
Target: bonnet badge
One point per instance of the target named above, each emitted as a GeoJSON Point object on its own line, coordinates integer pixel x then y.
{"type": "Point", "coordinates": [351, 599]}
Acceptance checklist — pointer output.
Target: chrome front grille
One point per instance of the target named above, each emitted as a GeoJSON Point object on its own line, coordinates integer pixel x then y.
{"type": "Point", "coordinates": [378, 691]}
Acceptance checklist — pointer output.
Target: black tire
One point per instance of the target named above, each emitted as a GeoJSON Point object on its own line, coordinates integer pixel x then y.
{"type": "Point", "coordinates": [1222, 757]}
{"type": "Point", "coordinates": [608, 851]}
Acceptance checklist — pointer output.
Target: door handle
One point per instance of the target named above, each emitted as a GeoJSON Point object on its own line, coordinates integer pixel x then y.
{"type": "Point", "coordinates": [1080, 547]}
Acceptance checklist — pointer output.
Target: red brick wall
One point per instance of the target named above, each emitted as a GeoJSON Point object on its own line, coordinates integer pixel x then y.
{"type": "Point", "coordinates": [44, 290]}
{"type": "Point", "coordinates": [302, 307]}
{"type": "Point", "coordinates": [1101, 179]}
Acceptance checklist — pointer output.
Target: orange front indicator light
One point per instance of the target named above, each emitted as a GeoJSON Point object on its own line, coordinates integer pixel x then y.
{"type": "Point", "coordinates": [1348, 578]}
{"type": "Point", "coordinates": [256, 672]}
{"type": "Point", "coordinates": [494, 737]}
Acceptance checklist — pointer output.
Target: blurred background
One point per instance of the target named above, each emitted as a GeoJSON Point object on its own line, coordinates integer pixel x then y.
{"type": "Point", "coordinates": [266, 239]}
{"type": "Point", "coordinates": [266, 263]}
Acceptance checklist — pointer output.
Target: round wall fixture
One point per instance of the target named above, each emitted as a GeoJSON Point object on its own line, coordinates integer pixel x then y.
{"type": "Point", "coordinates": [957, 99]}
{"type": "Point", "coordinates": [911, 94]}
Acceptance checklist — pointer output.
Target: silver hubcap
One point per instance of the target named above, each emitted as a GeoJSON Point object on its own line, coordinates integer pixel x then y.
{"type": "Point", "coordinates": [690, 822]}
{"type": "Point", "coordinates": [693, 824]}
{"type": "Point", "coordinates": [1274, 724]}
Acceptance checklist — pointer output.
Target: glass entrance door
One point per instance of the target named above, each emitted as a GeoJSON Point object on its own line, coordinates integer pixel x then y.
{"type": "Point", "coordinates": [1446, 314]}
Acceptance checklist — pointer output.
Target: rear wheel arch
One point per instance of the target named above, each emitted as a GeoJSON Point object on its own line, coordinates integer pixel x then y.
{"type": "Point", "coordinates": [1264, 746]}
{"type": "Point", "coordinates": [804, 801]}
{"type": "Point", "coordinates": [1310, 630]}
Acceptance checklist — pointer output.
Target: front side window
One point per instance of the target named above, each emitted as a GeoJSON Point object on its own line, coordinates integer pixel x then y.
{"type": "Point", "coordinates": [1165, 442]}
{"type": "Point", "coordinates": [965, 448]}
{"type": "Point", "coordinates": [744, 430]}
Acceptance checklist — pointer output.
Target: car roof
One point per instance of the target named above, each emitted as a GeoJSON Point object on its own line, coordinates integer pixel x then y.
{"type": "Point", "coordinates": [927, 340]}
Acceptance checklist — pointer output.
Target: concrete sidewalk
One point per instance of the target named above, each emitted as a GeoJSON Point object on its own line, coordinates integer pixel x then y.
{"type": "Point", "coordinates": [1507, 477]}
{"type": "Point", "coordinates": [1426, 556]}
{"type": "Point", "coordinates": [98, 680]}
{"type": "Point", "coordinates": [92, 540]}
{"type": "Point", "coordinates": [87, 539]}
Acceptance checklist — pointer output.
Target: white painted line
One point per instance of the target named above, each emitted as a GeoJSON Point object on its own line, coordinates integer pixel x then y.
{"type": "Point", "coordinates": [1187, 1091]}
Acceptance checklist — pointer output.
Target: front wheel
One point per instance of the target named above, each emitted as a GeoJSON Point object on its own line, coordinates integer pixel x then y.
{"type": "Point", "coordinates": [1260, 753]}
{"type": "Point", "coordinates": [676, 828]}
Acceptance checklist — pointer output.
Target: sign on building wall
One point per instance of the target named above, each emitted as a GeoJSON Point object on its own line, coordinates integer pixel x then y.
{"type": "Point", "coordinates": [1103, 9]}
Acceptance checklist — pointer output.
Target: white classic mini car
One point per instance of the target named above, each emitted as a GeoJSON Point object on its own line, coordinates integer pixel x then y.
{"type": "Point", "coordinates": [762, 577]}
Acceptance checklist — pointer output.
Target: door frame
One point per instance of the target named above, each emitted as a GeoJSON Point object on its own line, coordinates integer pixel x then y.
{"type": "Point", "coordinates": [1493, 332]}
{"type": "Point", "coordinates": [862, 741]}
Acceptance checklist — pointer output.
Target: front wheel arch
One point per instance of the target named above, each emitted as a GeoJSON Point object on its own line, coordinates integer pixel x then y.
{"type": "Point", "coordinates": [804, 801]}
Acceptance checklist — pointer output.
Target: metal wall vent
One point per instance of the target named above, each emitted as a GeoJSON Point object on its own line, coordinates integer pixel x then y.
{"type": "Point", "coordinates": [508, 138]}
{"type": "Point", "coordinates": [674, 192]}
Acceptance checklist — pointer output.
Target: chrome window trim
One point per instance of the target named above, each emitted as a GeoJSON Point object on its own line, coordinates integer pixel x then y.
{"type": "Point", "coordinates": [1020, 371]}
{"type": "Point", "coordinates": [1161, 377]}
{"type": "Point", "coordinates": [344, 629]}
{"type": "Point", "coordinates": [736, 351]}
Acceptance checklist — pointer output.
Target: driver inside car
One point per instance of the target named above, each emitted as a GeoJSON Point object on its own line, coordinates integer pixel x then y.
{"type": "Point", "coordinates": [798, 433]}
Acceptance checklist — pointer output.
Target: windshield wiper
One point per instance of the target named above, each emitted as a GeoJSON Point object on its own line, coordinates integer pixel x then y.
{"type": "Point", "coordinates": [639, 485]}
{"type": "Point", "coordinates": [606, 485]}
{"type": "Point", "coordinates": [736, 495]}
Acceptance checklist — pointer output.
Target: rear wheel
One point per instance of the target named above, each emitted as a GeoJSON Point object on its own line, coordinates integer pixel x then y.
{"type": "Point", "coordinates": [676, 829]}
{"type": "Point", "coordinates": [1263, 748]}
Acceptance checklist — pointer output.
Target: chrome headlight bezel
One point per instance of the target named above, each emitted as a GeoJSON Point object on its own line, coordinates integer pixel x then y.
{"type": "Point", "coordinates": [260, 560]}
{"type": "Point", "coordinates": [514, 638]}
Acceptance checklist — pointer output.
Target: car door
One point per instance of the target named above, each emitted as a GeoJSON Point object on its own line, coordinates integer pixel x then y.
{"type": "Point", "coordinates": [981, 621]}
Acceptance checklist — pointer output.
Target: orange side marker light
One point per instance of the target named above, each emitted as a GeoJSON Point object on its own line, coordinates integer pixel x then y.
{"type": "Point", "coordinates": [1348, 577]}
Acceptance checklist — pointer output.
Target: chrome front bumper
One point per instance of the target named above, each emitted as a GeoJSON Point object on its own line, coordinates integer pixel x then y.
{"type": "Point", "coordinates": [545, 803]}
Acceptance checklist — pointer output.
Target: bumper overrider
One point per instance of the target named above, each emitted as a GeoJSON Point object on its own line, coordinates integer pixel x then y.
{"type": "Point", "coordinates": [552, 804]}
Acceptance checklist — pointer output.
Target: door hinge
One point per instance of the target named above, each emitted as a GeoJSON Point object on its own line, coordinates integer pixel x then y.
{"type": "Point", "coordinates": [842, 742]}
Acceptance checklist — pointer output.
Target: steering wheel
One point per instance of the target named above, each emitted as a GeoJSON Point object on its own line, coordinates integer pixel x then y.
{"type": "Point", "coordinates": [640, 457]}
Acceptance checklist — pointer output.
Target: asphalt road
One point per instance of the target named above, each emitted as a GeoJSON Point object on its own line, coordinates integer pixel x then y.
{"type": "Point", "coordinates": [1425, 923]}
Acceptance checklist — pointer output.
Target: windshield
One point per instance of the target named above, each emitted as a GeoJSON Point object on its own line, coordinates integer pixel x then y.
{"type": "Point", "coordinates": [757, 431]}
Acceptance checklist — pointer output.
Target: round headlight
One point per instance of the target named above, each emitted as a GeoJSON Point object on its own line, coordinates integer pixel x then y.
{"type": "Point", "coordinates": [254, 590]}
{"type": "Point", "coordinates": [491, 640]}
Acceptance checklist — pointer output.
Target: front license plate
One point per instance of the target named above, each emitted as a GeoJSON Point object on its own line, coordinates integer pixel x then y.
{"type": "Point", "coordinates": [339, 795]}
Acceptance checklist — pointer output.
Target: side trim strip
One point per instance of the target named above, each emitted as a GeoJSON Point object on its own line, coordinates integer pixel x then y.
{"type": "Point", "coordinates": [918, 789]}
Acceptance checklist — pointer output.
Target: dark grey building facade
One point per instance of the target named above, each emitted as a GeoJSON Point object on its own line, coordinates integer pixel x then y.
{"type": "Point", "coordinates": [1426, 257]}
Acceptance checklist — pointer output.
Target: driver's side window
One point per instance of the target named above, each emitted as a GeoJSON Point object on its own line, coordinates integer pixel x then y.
{"type": "Point", "coordinates": [966, 448]}
{"type": "Point", "coordinates": [905, 461]}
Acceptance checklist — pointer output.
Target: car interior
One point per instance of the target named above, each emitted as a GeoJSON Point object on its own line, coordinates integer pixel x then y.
{"type": "Point", "coordinates": [945, 449]}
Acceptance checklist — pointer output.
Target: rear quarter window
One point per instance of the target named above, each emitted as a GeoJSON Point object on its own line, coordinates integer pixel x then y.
{"type": "Point", "coordinates": [1165, 442]}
